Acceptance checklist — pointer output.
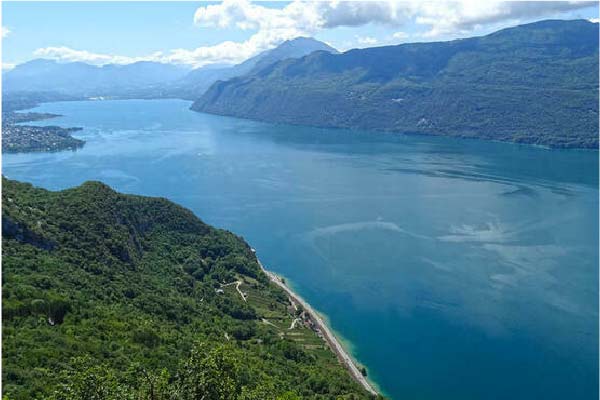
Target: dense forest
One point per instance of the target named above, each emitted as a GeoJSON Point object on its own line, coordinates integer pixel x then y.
{"type": "Point", "coordinates": [113, 296]}
{"type": "Point", "coordinates": [535, 84]}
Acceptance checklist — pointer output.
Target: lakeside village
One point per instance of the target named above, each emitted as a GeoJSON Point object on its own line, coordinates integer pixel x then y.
{"type": "Point", "coordinates": [18, 138]}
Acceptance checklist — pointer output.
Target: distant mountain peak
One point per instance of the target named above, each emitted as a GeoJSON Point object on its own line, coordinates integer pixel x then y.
{"type": "Point", "coordinates": [39, 61]}
{"type": "Point", "coordinates": [307, 43]}
{"type": "Point", "coordinates": [304, 40]}
{"type": "Point", "coordinates": [294, 48]}
{"type": "Point", "coordinates": [197, 81]}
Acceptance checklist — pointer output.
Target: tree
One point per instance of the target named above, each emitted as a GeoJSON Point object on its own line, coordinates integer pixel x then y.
{"type": "Point", "coordinates": [209, 374]}
{"type": "Point", "coordinates": [91, 381]}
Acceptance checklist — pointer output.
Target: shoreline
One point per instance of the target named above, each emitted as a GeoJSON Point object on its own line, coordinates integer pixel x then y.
{"type": "Point", "coordinates": [343, 356]}
{"type": "Point", "coordinates": [363, 130]}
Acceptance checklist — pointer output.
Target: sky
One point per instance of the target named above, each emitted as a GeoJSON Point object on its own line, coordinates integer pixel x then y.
{"type": "Point", "coordinates": [195, 34]}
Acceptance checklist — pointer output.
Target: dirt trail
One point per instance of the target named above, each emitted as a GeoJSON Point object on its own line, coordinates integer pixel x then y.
{"type": "Point", "coordinates": [293, 324]}
{"type": "Point", "coordinates": [237, 287]}
{"type": "Point", "coordinates": [266, 321]}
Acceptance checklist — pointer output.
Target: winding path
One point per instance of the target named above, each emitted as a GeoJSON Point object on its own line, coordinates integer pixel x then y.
{"type": "Point", "coordinates": [293, 324]}
{"type": "Point", "coordinates": [237, 287]}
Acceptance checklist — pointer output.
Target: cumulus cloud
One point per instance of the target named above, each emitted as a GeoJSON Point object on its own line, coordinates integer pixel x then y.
{"type": "Point", "coordinates": [272, 26]}
{"type": "Point", "coordinates": [7, 66]}
{"type": "Point", "coordinates": [5, 32]}
{"type": "Point", "coordinates": [462, 17]}
{"type": "Point", "coordinates": [441, 17]}
{"type": "Point", "coordinates": [360, 13]}
{"type": "Point", "coordinates": [306, 18]}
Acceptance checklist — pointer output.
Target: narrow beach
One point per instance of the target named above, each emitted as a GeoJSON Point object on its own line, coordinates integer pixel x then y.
{"type": "Point", "coordinates": [328, 335]}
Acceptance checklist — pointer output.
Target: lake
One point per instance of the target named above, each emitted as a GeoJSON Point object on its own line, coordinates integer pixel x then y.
{"type": "Point", "coordinates": [454, 269]}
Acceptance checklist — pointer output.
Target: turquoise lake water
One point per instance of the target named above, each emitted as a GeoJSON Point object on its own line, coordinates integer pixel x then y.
{"type": "Point", "coordinates": [454, 269]}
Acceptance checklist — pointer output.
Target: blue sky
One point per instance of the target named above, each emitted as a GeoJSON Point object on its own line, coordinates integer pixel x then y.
{"type": "Point", "coordinates": [199, 33]}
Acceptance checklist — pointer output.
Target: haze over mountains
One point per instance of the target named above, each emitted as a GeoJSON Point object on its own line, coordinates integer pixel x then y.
{"type": "Point", "coordinates": [143, 79]}
{"type": "Point", "coordinates": [78, 78]}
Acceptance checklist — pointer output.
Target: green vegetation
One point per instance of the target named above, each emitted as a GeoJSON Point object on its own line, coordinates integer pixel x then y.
{"type": "Point", "coordinates": [111, 296]}
{"type": "Point", "coordinates": [535, 83]}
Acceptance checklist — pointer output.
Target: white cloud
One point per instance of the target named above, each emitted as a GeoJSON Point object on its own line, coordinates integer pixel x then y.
{"type": "Point", "coordinates": [298, 18]}
{"type": "Point", "coordinates": [68, 54]}
{"type": "Point", "coordinates": [302, 15]}
{"type": "Point", "coordinates": [462, 17]}
{"type": "Point", "coordinates": [5, 32]}
{"type": "Point", "coordinates": [366, 40]}
{"type": "Point", "coordinates": [225, 52]}
{"type": "Point", "coordinates": [7, 66]}
{"type": "Point", "coordinates": [306, 18]}
{"type": "Point", "coordinates": [439, 16]}
{"type": "Point", "coordinates": [271, 26]}
{"type": "Point", "coordinates": [594, 20]}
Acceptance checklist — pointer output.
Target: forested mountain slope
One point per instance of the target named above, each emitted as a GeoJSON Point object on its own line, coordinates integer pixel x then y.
{"type": "Point", "coordinates": [534, 83]}
{"type": "Point", "coordinates": [112, 296]}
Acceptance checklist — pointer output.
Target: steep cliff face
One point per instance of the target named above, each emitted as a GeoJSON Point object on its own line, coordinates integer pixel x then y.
{"type": "Point", "coordinates": [21, 233]}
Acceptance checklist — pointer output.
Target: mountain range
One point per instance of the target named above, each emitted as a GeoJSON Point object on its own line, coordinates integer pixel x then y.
{"type": "Point", "coordinates": [81, 79]}
{"type": "Point", "coordinates": [535, 83]}
{"type": "Point", "coordinates": [144, 78]}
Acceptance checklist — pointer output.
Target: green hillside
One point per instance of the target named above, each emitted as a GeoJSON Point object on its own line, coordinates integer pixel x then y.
{"type": "Point", "coordinates": [535, 83]}
{"type": "Point", "coordinates": [112, 296]}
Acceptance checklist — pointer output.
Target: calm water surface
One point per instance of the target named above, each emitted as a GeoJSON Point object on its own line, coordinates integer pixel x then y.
{"type": "Point", "coordinates": [454, 269]}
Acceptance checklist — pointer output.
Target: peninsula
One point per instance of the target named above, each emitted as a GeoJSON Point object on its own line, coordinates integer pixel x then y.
{"type": "Point", "coordinates": [18, 138]}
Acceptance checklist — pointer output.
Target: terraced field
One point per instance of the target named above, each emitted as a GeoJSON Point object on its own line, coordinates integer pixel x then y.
{"type": "Point", "coordinates": [278, 317]}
